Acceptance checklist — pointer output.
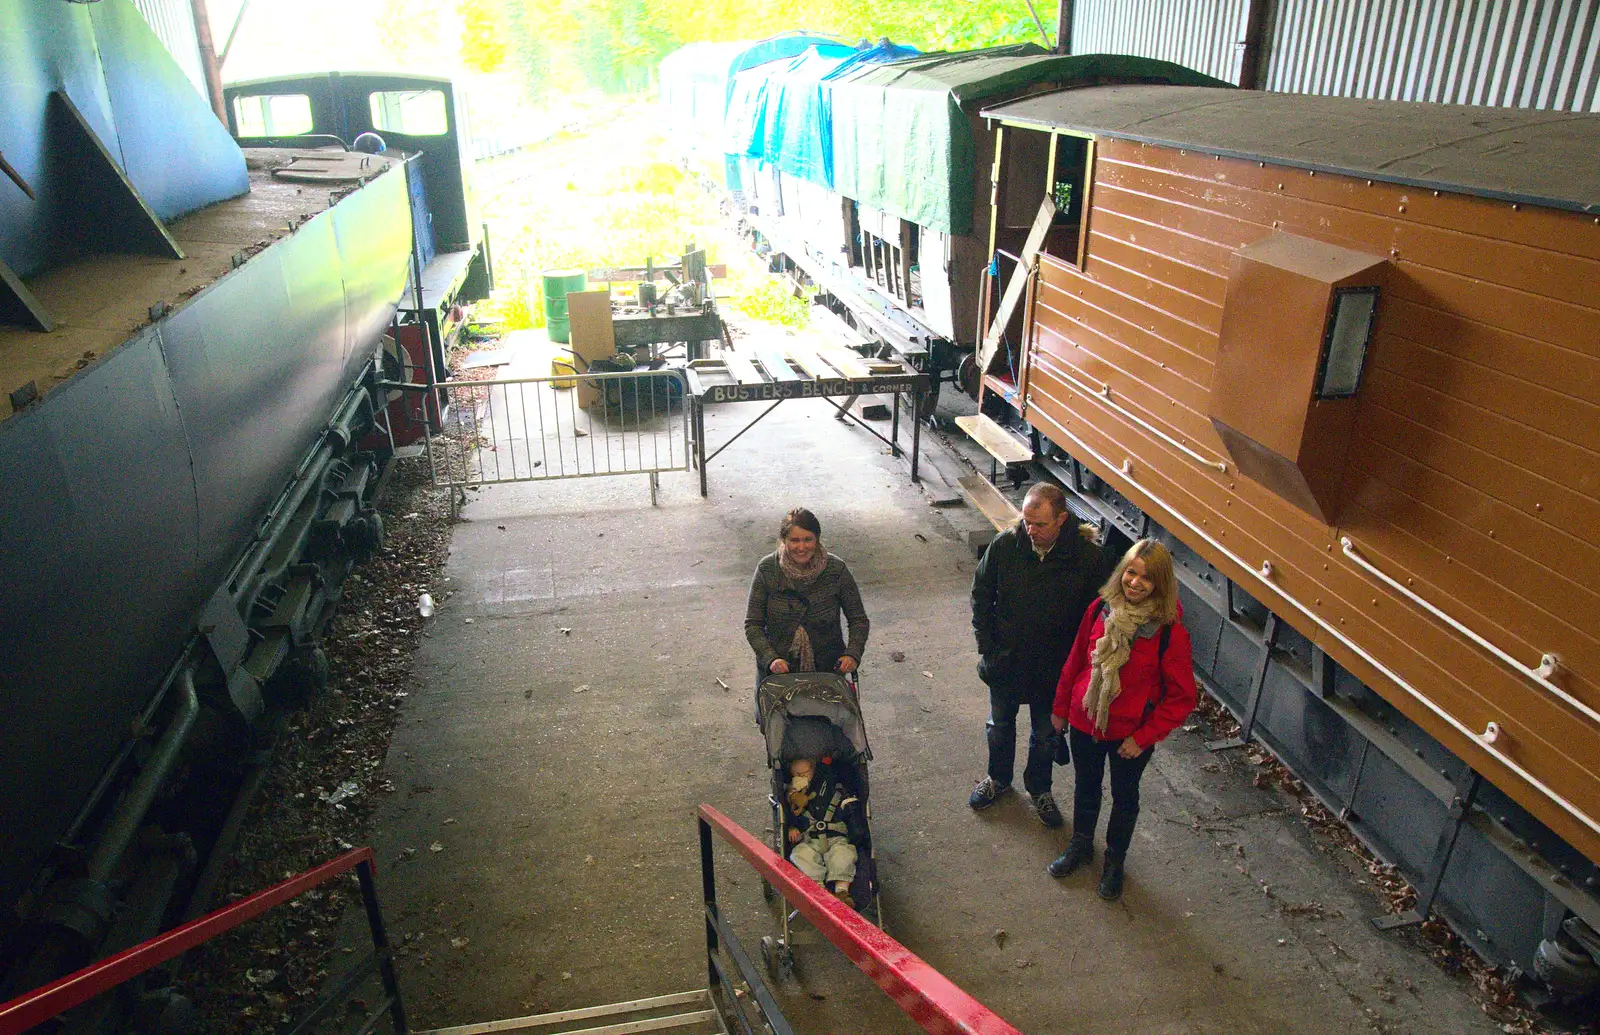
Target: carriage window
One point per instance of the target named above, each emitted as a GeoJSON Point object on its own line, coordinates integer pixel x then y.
{"type": "Point", "coordinates": [1344, 346]}
{"type": "Point", "coordinates": [415, 113]}
{"type": "Point", "coordinates": [1068, 185]}
{"type": "Point", "coordinates": [272, 115]}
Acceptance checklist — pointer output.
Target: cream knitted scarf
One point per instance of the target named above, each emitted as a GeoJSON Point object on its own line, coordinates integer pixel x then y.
{"type": "Point", "coordinates": [800, 647]}
{"type": "Point", "coordinates": [802, 573]}
{"type": "Point", "coordinates": [1122, 625]}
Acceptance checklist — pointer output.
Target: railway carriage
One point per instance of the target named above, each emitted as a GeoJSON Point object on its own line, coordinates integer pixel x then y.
{"type": "Point", "coordinates": [876, 189]}
{"type": "Point", "coordinates": [1344, 356]}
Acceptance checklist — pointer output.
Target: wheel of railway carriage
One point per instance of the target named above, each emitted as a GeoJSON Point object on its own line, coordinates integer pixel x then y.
{"type": "Point", "coordinates": [967, 375]}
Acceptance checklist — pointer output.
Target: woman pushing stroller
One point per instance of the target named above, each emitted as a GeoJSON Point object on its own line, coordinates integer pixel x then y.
{"type": "Point", "coordinates": [797, 597]}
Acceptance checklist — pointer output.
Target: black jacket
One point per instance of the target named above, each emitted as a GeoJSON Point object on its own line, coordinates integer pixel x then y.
{"type": "Point", "coordinates": [1025, 611]}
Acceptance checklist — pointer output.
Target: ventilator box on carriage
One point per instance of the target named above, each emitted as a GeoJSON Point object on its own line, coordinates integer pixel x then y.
{"type": "Point", "coordinates": [1341, 356]}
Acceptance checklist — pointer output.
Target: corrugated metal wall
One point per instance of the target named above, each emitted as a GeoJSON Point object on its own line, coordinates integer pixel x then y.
{"type": "Point", "coordinates": [173, 22]}
{"type": "Point", "coordinates": [1201, 34]}
{"type": "Point", "coordinates": [1513, 53]}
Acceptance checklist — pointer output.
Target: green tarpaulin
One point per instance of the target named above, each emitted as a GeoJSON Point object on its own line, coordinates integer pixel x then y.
{"type": "Point", "coordinates": [902, 142]}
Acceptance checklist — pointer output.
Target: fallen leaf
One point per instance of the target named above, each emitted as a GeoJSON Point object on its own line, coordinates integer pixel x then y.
{"type": "Point", "coordinates": [927, 673]}
{"type": "Point", "coordinates": [565, 631]}
{"type": "Point", "coordinates": [459, 943]}
{"type": "Point", "coordinates": [580, 688]}
{"type": "Point", "coordinates": [897, 655]}
{"type": "Point", "coordinates": [436, 847]}
{"type": "Point", "coordinates": [1000, 937]}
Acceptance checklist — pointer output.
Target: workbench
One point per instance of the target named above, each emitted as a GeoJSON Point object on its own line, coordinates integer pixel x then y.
{"type": "Point", "coordinates": [805, 368]}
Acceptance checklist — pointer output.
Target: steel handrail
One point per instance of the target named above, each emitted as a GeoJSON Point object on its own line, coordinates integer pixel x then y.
{"type": "Point", "coordinates": [1104, 393]}
{"type": "Point", "coordinates": [929, 998]}
{"type": "Point", "coordinates": [1547, 662]}
{"type": "Point", "coordinates": [79, 987]}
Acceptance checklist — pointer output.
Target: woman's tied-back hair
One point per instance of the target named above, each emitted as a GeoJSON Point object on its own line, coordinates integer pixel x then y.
{"type": "Point", "coordinates": [800, 517]}
{"type": "Point", "coordinates": [1158, 569]}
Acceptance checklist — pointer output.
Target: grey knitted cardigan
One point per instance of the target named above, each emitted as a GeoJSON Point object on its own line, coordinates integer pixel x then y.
{"type": "Point", "coordinates": [778, 605]}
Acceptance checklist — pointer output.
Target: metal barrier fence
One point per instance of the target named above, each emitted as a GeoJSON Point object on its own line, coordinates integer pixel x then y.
{"type": "Point", "coordinates": [565, 426]}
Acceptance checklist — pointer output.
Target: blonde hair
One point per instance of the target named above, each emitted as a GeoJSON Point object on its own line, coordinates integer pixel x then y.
{"type": "Point", "coordinates": [1158, 569]}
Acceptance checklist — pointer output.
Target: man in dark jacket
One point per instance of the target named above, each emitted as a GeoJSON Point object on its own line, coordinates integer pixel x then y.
{"type": "Point", "coordinates": [1030, 591]}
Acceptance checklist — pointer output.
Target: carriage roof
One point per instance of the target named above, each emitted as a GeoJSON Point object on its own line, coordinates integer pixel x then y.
{"type": "Point", "coordinates": [1549, 158]}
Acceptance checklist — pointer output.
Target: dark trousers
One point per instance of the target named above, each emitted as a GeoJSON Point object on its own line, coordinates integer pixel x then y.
{"type": "Point", "coordinates": [1089, 760]}
{"type": "Point", "coordinates": [1004, 703]}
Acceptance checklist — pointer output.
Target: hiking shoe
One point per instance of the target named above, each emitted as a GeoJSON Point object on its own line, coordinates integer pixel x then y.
{"type": "Point", "coordinates": [1111, 878]}
{"type": "Point", "coordinates": [986, 793]}
{"type": "Point", "coordinates": [1080, 851]}
{"type": "Point", "coordinates": [1044, 803]}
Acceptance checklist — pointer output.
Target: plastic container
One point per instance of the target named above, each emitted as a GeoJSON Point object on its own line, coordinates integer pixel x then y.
{"type": "Point", "coordinates": [555, 285]}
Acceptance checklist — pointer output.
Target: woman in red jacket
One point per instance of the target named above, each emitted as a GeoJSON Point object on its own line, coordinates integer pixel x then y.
{"type": "Point", "coordinates": [1128, 682]}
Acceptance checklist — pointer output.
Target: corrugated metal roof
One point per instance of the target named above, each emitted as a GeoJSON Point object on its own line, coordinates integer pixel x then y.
{"type": "Point", "coordinates": [1512, 53]}
{"type": "Point", "coordinates": [173, 22]}
{"type": "Point", "coordinates": [1205, 35]}
{"type": "Point", "coordinates": [1515, 154]}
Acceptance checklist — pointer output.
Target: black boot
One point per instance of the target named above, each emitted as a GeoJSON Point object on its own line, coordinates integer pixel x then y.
{"type": "Point", "coordinates": [1080, 852]}
{"type": "Point", "coordinates": [1111, 878]}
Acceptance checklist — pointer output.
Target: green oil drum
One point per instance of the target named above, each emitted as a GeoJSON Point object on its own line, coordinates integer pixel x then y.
{"type": "Point", "coordinates": [556, 285]}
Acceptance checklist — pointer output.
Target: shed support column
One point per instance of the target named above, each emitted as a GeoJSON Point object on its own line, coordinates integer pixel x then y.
{"type": "Point", "coordinates": [1064, 27]}
{"type": "Point", "coordinates": [1255, 31]}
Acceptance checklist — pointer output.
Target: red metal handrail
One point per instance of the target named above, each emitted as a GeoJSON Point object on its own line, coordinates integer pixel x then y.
{"type": "Point", "coordinates": [79, 987]}
{"type": "Point", "coordinates": [927, 996]}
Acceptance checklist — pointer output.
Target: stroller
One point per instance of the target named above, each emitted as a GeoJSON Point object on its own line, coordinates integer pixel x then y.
{"type": "Point", "coordinates": [815, 715]}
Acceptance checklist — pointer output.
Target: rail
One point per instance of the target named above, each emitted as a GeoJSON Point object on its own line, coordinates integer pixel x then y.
{"type": "Point", "coordinates": [1104, 393]}
{"type": "Point", "coordinates": [929, 998]}
{"type": "Point", "coordinates": [1485, 740]}
{"type": "Point", "coordinates": [1540, 675]}
{"type": "Point", "coordinates": [77, 988]}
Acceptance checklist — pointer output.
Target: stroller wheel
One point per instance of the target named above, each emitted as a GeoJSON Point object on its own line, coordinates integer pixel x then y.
{"type": "Point", "coordinates": [768, 892]}
{"type": "Point", "coordinates": [769, 956]}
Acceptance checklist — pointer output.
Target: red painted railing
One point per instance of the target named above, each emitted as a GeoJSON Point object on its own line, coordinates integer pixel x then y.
{"type": "Point", "coordinates": [926, 996]}
{"type": "Point", "coordinates": [61, 995]}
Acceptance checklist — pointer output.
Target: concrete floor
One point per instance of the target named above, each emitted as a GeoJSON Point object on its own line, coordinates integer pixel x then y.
{"type": "Point", "coordinates": [570, 720]}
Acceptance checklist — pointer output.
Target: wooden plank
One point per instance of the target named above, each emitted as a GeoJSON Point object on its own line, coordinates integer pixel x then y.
{"type": "Point", "coordinates": [1002, 514]}
{"type": "Point", "coordinates": [771, 357]}
{"type": "Point", "coordinates": [826, 321]}
{"type": "Point", "coordinates": [807, 359]}
{"type": "Point", "coordinates": [1019, 280]}
{"type": "Point", "coordinates": [846, 362]}
{"type": "Point", "coordinates": [995, 440]}
{"type": "Point", "coordinates": [592, 335]}
{"type": "Point", "coordinates": [740, 367]}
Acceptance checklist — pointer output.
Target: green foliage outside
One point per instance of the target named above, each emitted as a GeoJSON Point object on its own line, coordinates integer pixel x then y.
{"type": "Point", "coordinates": [560, 46]}
{"type": "Point", "coordinates": [608, 189]}
{"type": "Point", "coordinates": [610, 194]}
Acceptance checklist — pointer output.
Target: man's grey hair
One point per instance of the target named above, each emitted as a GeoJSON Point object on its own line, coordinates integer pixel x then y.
{"type": "Point", "coordinates": [1045, 492]}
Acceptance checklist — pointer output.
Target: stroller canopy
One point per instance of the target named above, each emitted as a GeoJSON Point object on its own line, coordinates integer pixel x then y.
{"type": "Point", "coordinates": [822, 695]}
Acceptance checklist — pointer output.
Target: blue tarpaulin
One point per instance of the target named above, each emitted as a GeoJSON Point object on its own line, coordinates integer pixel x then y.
{"type": "Point", "coordinates": [781, 112]}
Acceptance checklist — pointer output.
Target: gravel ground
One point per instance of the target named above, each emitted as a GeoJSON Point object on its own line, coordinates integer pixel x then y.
{"type": "Point", "coordinates": [322, 788]}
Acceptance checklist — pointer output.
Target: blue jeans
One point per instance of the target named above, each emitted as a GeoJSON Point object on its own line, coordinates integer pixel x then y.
{"type": "Point", "coordinates": [1005, 701]}
{"type": "Point", "coordinates": [1089, 759]}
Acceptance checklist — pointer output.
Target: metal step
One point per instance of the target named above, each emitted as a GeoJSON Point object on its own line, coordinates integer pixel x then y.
{"type": "Point", "coordinates": [700, 1015]}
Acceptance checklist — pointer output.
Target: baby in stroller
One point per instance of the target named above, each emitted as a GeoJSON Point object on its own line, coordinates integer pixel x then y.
{"type": "Point", "coordinates": [825, 823]}
{"type": "Point", "coordinates": [817, 750]}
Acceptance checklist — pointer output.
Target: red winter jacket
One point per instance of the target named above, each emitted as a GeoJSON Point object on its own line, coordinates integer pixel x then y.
{"type": "Point", "coordinates": [1172, 690]}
